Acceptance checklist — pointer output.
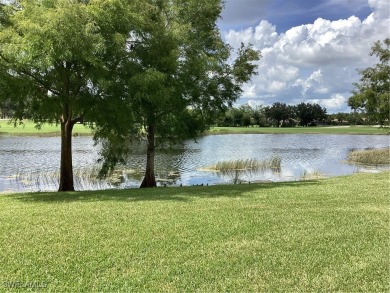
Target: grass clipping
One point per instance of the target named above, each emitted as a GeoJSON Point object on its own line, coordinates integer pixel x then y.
{"type": "Point", "coordinates": [246, 165]}
{"type": "Point", "coordinates": [370, 157]}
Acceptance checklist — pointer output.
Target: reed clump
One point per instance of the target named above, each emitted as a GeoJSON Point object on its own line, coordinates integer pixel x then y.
{"type": "Point", "coordinates": [310, 175]}
{"type": "Point", "coordinates": [84, 179]}
{"type": "Point", "coordinates": [370, 157]}
{"type": "Point", "coordinates": [247, 165]}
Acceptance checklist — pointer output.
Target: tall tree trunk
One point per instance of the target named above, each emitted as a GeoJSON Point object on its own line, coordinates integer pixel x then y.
{"type": "Point", "coordinates": [66, 167]}
{"type": "Point", "coordinates": [149, 178]}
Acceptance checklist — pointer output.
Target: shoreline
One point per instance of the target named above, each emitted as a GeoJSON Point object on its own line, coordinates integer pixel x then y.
{"type": "Point", "coordinates": [346, 130]}
{"type": "Point", "coordinates": [29, 130]}
{"type": "Point", "coordinates": [309, 178]}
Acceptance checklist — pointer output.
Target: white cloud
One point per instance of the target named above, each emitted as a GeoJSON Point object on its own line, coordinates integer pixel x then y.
{"type": "Point", "coordinates": [314, 80]}
{"type": "Point", "coordinates": [332, 104]}
{"type": "Point", "coordinates": [266, 33]}
{"type": "Point", "coordinates": [249, 91]}
{"type": "Point", "coordinates": [263, 35]}
{"type": "Point", "coordinates": [313, 62]}
{"type": "Point", "coordinates": [381, 8]}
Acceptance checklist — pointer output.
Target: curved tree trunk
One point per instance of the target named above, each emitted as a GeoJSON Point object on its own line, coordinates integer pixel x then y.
{"type": "Point", "coordinates": [149, 178]}
{"type": "Point", "coordinates": [66, 167]}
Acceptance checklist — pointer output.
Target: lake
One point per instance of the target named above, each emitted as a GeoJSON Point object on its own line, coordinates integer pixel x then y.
{"type": "Point", "coordinates": [32, 163]}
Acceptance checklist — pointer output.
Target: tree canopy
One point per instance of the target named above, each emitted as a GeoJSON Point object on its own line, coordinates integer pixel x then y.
{"type": "Point", "coordinates": [53, 56]}
{"type": "Point", "coordinates": [279, 113]}
{"type": "Point", "coordinates": [178, 74]}
{"type": "Point", "coordinates": [156, 67]}
{"type": "Point", "coordinates": [372, 93]}
{"type": "Point", "coordinates": [307, 113]}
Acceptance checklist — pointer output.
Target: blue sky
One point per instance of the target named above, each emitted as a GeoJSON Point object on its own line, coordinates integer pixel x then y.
{"type": "Point", "coordinates": [311, 49]}
{"type": "Point", "coordinates": [287, 14]}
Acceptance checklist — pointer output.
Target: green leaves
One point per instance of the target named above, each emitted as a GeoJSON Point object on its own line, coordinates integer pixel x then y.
{"type": "Point", "coordinates": [58, 60]}
{"type": "Point", "coordinates": [372, 94]}
{"type": "Point", "coordinates": [61, 48]}
{"type": "Point", "coordinates": [121, 62]}
{"type": "Point", "coordinates": [244, 67]}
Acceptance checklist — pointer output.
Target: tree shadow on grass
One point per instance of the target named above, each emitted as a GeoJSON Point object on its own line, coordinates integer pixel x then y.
{"type": "Point", "coordinates": [179, 194]}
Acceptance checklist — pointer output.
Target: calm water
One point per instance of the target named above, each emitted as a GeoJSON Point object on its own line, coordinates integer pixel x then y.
{"type": "Point", "coordinates": [31, 163]}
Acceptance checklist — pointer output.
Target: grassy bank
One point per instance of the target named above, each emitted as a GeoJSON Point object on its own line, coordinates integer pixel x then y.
{"type": "Point", "coordinates": [29, 129]}
{"type": "Point", "coordinates": [326, 235]}
{"type": "Point", "coordinates": [297, 130]}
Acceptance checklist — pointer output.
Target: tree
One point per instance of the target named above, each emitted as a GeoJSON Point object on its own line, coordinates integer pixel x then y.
{"type": "Point", "coordinates": [259, 116]}
{"type": "Point", "coordinates": [184, 77]}
{"type": "Point", "coordinates": [247, 115]}
{"type": "Point", "coordinates": [177, 74]}
{"type": "Point", "coordinates": [244, 115]}
{"type": "Point", "coordinates": [226, 119]}
{"type": "Point", "coordinates": [372, 93]}
{"type": "Point", "coordinates": [279, 112]}
{"type": "Point", "coordinates": [238, 116]}
{"type": "Point", "coordinates": [53, 54]}
{"type": "Point", "coordinates": [341, 117]}
{"type": "Point", "coordinates": [307, 113]}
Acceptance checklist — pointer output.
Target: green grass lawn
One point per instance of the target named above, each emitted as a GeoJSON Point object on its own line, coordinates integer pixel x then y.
{"type": "Point", "coordinates": [28, 128]}
{"type": "Point", "coordinates": [295, 130]}
{"type": "Point", "coordinates": [326, 235]}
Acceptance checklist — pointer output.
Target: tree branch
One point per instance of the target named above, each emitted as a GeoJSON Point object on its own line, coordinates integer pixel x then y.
{"type": "Point", "coordinates": [39, 81]}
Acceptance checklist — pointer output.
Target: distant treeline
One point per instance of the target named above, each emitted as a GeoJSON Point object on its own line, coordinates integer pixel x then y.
{"type": "Point", "coordinates": [282, 115]}
{"type": "Point", "coordinates": [279, 114]}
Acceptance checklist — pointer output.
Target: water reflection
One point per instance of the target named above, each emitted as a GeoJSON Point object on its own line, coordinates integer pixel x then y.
{"type": "Point", "coordinates": [31, 163]}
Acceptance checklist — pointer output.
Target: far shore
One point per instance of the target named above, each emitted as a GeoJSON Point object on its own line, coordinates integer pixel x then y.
{"type": "Point", "coordinates": [359, 129]}
{"type": "Point", "coordinates": [28, 129]}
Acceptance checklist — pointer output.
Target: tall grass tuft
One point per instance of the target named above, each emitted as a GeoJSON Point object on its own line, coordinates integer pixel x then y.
{"type": "Point", "coordinates": [247, 165]}
{"type": "Point", "coordinates": [370, 157]}
{"type": "Point", "coordinates": [84, 179]}
{"type": "Point", "coordinates": [310, 175]}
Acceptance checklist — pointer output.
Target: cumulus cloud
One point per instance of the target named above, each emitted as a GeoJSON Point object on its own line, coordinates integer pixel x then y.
{"type": "Point", "coordinates": [333, 103]}
{"type": "Point", "coordinates": [313, 82]}
{"type": "Point", "coordinates": [312, 62]}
